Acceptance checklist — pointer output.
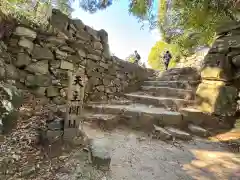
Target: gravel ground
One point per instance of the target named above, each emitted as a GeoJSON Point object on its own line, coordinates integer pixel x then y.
{"type": "Point", "coordinates": [137, 157]}
{"type": "Point", "coordinates": [134, 155]}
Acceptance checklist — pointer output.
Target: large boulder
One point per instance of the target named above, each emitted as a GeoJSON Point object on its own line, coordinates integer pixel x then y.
{"type": "Point", "coordinates": [99, 150]}
{"type": "Point", "coordinates": [216, 98]}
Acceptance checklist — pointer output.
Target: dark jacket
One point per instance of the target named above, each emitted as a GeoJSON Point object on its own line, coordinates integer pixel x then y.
{"type": "Point", "coordinates": [137, 56]}
{"type": "Point", "coordinates": [167, 57]}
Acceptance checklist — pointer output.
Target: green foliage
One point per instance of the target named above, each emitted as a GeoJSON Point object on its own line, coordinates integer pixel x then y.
{"type": "Point", "coordinates": [155, 58]}
{"type": "Point", "coordinates": [190, 24]}
{"type": "Point", "coordinates": [131, 58]}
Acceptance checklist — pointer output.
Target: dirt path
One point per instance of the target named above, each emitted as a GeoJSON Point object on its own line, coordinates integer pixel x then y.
{"type": "Point", "coordinates": [137, 157]}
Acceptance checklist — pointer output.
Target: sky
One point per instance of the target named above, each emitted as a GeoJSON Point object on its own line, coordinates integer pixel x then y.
{"type": "Point", "coordinates": [124, 33]}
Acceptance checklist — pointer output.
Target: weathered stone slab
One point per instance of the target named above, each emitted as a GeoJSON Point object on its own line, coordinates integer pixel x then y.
{"type": "Point", "coordinates": [61, 54]}
{"type": "Point", "coordinates": [39, 67]}
{"type": "Point", "coordinates": [22, 60]}
{"type": "Point", "coordinates": [25, 32]}
{"type": "Point", "coordinates": [38, 80]}
{"type": "Point", "coordinates": [216, 98]}
{"type": "Point", "coordinates": [41, 53]}
{"type": "Point", "coordinates": [66, 65]}
{"type": "Point", "coordinates": [56, 40]}
{"type": "Point", "coordinates": [161, 133]}
{"type": "Point", "coordinates": [167, 102]}
{"type": "Point", "coordinates": [25, 43]}
{"type": "Point", "coordinates": [173, 84]}
{"type": "Point", "coordinates": [179, 134]}
{"type": "Point", "coordinates": [104, 121]}
{"type": "Point", "coordinates": [140, 116]}
{"type": "Point", "coordinates": [52, 91]}
{"type": "Point", "coordinates": [195, 116]}
{"type": "Point", "coordinates": [169, 92]}
{"type": "Point", "coordinates": [197, 130]}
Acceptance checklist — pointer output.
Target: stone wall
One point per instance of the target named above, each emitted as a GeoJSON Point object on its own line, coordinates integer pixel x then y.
{"type": "Point", "coordinates": [41, 60]}
{"type": "Point", "coordinates": [10, 96]}
{"type": "Point", "coordinates": [69, 63]}
{"type": "Point", "coordinates": [194, 61]}
{"type": "Point", "coordinates": [218, 92]}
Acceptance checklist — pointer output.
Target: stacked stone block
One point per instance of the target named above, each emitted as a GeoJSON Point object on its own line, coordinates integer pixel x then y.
{"type": "Point", "coordinates": [69, 64]}
{"type": "Point", "coordinates": [218, 92]}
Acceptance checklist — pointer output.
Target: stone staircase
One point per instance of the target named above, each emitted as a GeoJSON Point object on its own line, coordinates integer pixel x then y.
{"type": "Point", "coordinates": [164, 105]}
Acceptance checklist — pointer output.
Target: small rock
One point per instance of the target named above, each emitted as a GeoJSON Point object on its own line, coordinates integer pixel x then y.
{"type": "Point", "coordinates": [99, 152]}
{"type": "Point", "coordinates": [197, 130]}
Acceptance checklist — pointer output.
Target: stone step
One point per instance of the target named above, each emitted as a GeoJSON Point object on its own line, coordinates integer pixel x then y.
{"type": "Point", "coordinates": [178, 134]}
{"type": "Point", "coordinates": [103, 121]}
{"type": "Point", "coordinates": [161, 133]}
{"type": "Point", "coordinates": [173, 84]}
{"type": "Point", "coordinates": [179, 71]}
{"type": "Point", "coordinates": [176, 77]}
{"type": "Point", "coordinates": [140, 116]}
{"type": "Point", "coordinates": [197, 130]}
{"type": "Point", "coordinates": [166, 102]}
{"type": "Point", "coordinates": [197, 117]}
{"type": "Point", "coordinates": [169, 133]}
{"type": "Point", "coordinates": [169, 92]}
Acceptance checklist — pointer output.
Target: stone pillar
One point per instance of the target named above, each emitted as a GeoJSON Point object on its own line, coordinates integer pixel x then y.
{"type": "Point", "coordinates": [217, 93]}
{"type": "Point", "coordinates": [75, 97]}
